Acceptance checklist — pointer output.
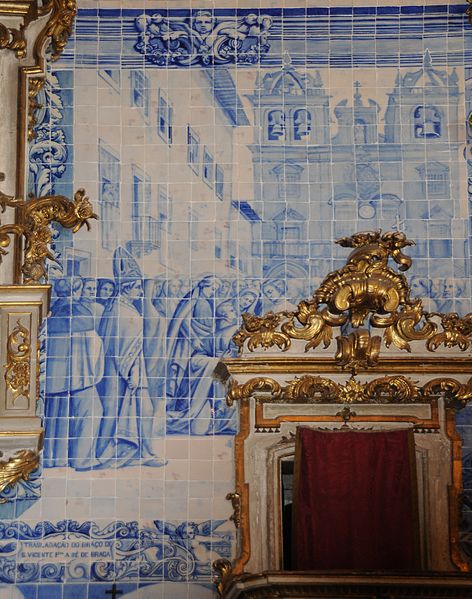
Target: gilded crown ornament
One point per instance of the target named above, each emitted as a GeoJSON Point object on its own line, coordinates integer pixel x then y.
{"type": "Point", "coordinates": [370, 294]}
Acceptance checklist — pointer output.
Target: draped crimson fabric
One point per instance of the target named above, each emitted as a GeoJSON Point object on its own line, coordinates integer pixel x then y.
{"type": "Point", "coordinates": [355, 504]}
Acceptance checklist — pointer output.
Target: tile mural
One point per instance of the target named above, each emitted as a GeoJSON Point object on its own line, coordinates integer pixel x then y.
{"type": "Point", "coordinates": [225, 150]}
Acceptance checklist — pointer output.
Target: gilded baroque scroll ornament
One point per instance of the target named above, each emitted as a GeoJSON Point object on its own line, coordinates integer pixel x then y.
{"type": "Point", "coordinates": [235, 499]}
{"type": "Point", "coordinates": [367, 290]}
{"type": "Point", "coordinates": [58, 28]}
{"type": "Point", "coordinates": [312, 389]}
{"type": "Point", "coordinates": [456, 331]}
{"type": "Point", "coordinates": [13, 39]}
{"type": "Point", "coordinates": [223, 573]}
{"type": "Point", "coordinates": [34, 218]}
{"type": "Point", "coordinates": [17, 468]}
{"type": "Point", "coordinates": [238, 392]}
{"type": "Point", "coordinates": [202, 38]}
{"type": "Point", "coordinates": [35, 85]}
{"type": "Point", "coordinates": [455, 393]}
{"type": "Point", "coordinates": [60, 24]}
{"type": "Point", "coordinates": [261, 332]}
{"type": "Point", "coordinates": [358, 349]}
{"type": "Point", "coordinates": [17, 368]}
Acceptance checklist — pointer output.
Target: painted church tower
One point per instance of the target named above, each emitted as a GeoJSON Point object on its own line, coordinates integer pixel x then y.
{"type": "Point", "coordinates": [290, 160]}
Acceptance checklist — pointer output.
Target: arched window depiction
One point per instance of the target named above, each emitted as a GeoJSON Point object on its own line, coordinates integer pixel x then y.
{"type": "Point", "coordinates": [276, 125]}
{"type": "Point", "coordinates": [301, 124]}
{"type": "Point", "coordinates": [360, 131]}
{"type": "Point", "coordinates": [427, 122]}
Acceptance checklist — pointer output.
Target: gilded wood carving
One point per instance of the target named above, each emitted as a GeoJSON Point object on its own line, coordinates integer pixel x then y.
{"type": "Point", "coordinates": [367, 295]}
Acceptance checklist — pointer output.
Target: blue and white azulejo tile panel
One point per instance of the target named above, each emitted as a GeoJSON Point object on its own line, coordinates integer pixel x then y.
{"type": "Point", "coordinates": [225, 149]}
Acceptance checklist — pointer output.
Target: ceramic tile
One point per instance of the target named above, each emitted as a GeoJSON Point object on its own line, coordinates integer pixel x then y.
{"type": "Point", "coordinates": [221, 178]}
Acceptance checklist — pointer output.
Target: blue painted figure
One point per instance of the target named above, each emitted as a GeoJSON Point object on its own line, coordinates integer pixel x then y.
{"type": "Point", "coordinates": [126, 427]}
{"type": "Point", "coordinates": [192, 359]}
{"type": "Point", "coordinates": [74, 367]}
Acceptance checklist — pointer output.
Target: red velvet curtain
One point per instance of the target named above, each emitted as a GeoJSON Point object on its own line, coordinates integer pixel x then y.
{"type": "Point", "coordinates": [355, 501]}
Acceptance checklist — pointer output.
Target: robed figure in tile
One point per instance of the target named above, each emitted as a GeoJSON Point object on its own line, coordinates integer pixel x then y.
{"type": "Point", "coordinates": [74, 367]}
{"type": "Point", "coordinates": [125, 436]}
{"type": "Point", "coordinates": [194, 347]}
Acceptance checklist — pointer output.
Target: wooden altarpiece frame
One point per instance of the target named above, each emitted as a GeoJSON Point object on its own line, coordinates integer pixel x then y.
{"type": "Point", "coordinates": [394, 364]}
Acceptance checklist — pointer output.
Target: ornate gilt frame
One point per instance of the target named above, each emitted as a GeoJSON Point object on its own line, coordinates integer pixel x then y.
{"type": "Point", "coordinates": [383, 336]}
{"type": "Point", "coordinates": [30, 29]}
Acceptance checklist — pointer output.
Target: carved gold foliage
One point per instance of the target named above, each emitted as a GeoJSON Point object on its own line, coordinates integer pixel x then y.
{"type": "Point", "coordinates": [34, 218]}
{"type": "Point", "coordinates": [313, 389]}
{"type": "Point", "coordinates": [13, 39]}
{"type": "Point", "coordinates": [403, 328]}
{"type": "Point", "coordinates": [35, 85]}
{"type": "Point", "coordinates": [223, 574]}
{"type": "Point", "coordinates": [366, 290]}
{"type": "Point", "coordinates": [455, 393]}
{"type": "Point", "coordinates": [358, 349]}
{"type": "Point", "coordinates": [17, 368]}
{"type": "Point", "coordinates": [260, 332]}
{"type": "Point", "coordinates": [235, 499]}
{"type": "Point", "coordinates": [19, 467]}
{"type": "Point", "coordinates": [456, 332]}
{"type": "Point", "coordinates": [60, 24]}
{"type": "Point", "coordinates": [238, 392]}
{"type": "Point", "coordinates": [389, 389]}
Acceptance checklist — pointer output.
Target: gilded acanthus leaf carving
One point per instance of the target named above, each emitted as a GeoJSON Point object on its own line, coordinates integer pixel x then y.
{"type": "Point", "coordinates": [13, 39]}
{"type": "Point", "coordinates": [17, 368]}
{"type": "Point", "coordinates": [352, 303]}
{"type": "Point", "coordinates": [18, 467]}
{"type": "Point", "coordinates": [313, 389]}
{"type": "Point", "coordinates": [358, 349]}
{"type": "Point", "coordinates": [456, 332]}
{"type": "Point", "coordinates": [403, 328]}
{"type": "Point", "coordinates": [34, 218]}
{"type": "Point", "coordinates": [261, 332]}
{"type": "Point", "coordinates": [60, 24]}
{"type": "Point", "coordinates": [223, 573]}
{"type": "Point", "coordinates": [455, 393]}
{"type": "Point", "coordinates": [262, 384]}
{"type": "Point", "coordinates": [393, 389]}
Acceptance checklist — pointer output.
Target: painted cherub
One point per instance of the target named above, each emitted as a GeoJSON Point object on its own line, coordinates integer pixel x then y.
{"type": "Point", "coordinates": [197, 539]}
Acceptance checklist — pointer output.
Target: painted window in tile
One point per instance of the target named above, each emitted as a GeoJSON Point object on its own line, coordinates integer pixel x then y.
{"type": "Point", "coordinates": [301, 124]}
{"type": "Point", "coordinates": [145, 228]}
{"type": "Point", "coordinates": [164, 118]}
{"type": "Point", "coordinates": [164, 208]}
{"type": "Point", "coordinates": [232, 262]}
{"type": "Point", "coordinates": [140, 91]}
{"type": "Point", "coordinates": [218, 244]}
{"type": "Point", "coordinates": [193, 149]}
{"type": "Point", "coordinates": [434, 179]}
{"type": "Point", "coordinates": [112, 77]}
{"type": "Point", "coordinates": [109, 195]}
{"type": "Point", "coordinates": [78, 262]}
{"type": "Point", "coordinates": [219, 181]}
{"type": "Point", "coordinates": [427, 122]}
{"type": "Point", "coordinates": [289, 178]}
{"type": "Point", "coordinates": [208, 168]}
{"type": "Point", "coordinates": [360, 131]}
{"type": "Point", "coordinates": [194, 228]}
{"type": "Point", "coordinates": [276, 130]}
